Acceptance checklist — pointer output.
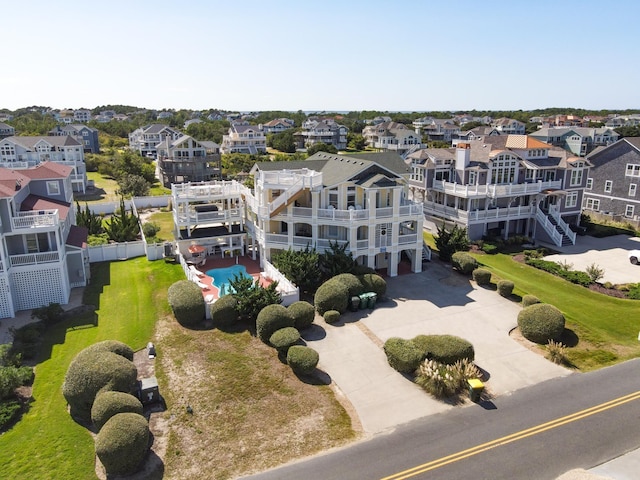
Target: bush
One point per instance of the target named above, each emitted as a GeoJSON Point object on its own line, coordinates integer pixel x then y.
{"type": "Point", "coordinates": [529, 300]}
{"type": "Point", "coordinates": [490, 248]}
{"type": "Point", "coordinates": [49, 314]}
{"type": "Point", "coordinates": [441, 380]}
{"type": "Point", "coordinates": [9, 411]}
{"type": "Point", "coordinates": [224, 311]}
{"type": "Point", "coordinates": [374, 283]}
{"type": "Point", "coordinates": [109, 403]}
{"type": "Point", "coordinates": [331, 295]}
{"type": "Point", "coordinates": [271, 319]}
{"type": "Point", "coordinates": [302, 360]}
{"type": "Point", "coordinates": [112, 346]}
{"type": "Point", "coordinates": [463, 262]}
{"type": "Point", "coordinates": [122, 443]}
{"type": "Point", "coordinates": [187, 302]}
{"type": "Point", "coordinates": [562, 270]}
{"type": "Point", "coordinates": [303, 314]}
{"type": "Point", "coordinates": [284, 338]}
{"type": "Point", "coordinates": [351, 282]}
{"type": "Point", "coordinates": [90, 372]}
{"type": "Point", "coordinates": [449, 242]}
{"type": "Point", "coordinates": [541, 322]}
{"type": "Point", "coordinates": [402, 355]}
{"type": "Point", "coordinates": [446, 349]}
{"type": "Point", "coordinates": [26, 340]}
{"type": "Point", "coordinates": [505, 288]}
{"type": "Point", "coordinates": [150, 229]}
{"type": "Point", "coordinates": [556, 352]}
{"type": "Point", "coordinates": [12, 378]}
{"type": "Point", "coordinates": [331, 316]}
{"type": "Point", "coordinates": [481, 276]}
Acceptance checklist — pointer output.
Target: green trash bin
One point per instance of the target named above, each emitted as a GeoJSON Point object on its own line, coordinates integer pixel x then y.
{"type": "Point", "coordinates": [364, 300]}
{"type": "Point", "coordinates": [373, 298]}
{"type": "Point", "coordinates": [476, 387]}
{"type": "Point", "coordinates": [355, 303]}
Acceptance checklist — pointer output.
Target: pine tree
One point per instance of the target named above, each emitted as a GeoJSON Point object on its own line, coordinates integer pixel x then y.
{"type": "Point", "coordinates": [122, 226]}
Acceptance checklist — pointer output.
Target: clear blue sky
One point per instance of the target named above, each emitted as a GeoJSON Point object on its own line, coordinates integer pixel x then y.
{"type": "Point", "coordinates": [321, 55]}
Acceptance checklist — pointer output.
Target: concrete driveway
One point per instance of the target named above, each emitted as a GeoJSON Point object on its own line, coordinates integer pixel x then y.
{"type": "Point", "coordinates": [436, 301]}
{"type": "Point", "coordinates": [609, 253]}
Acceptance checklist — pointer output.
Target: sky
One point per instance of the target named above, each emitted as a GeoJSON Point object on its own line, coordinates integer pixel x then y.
{"type": "Point", "coordinates": [330, 55]}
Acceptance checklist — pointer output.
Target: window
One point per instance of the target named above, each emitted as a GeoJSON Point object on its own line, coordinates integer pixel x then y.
{"type": "Point", "coordinates": [571, 200]}
{"type": "Point", "coordinates": [592, 204]}
{"type": "Point", "coordinates": [632, 189]}
{"type": "Point", "coordinates": [529, 174]}
{"type": "Point", "coordinates": [633, 170]}
{"type": "Point", "coordinates": [472, 178]}
{"type": "Point", "coordinates": [589, 183]}
{"type": "Point", "coordinates": [351, 197]}
{"type": "Point", "coordinates": [608, 186]}
{"type": "Point", "coordinates": [53, 188]}
{"type": "Point", "coordinates": [503, 170]}
{"type": "Point", "coordinates": [576, 176]}
{"type": "Point", "coordinates": [417, 173]}
{"type": "Point", "coordinates": [333, 198]}
{"type": "Point", "coordinates": [332, 231]}
{"type": "Point", "coordinates": [628, 211]}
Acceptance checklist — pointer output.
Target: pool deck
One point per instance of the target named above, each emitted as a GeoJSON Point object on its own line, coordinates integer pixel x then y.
{"type": "Point", "coordinates": [252, 267]}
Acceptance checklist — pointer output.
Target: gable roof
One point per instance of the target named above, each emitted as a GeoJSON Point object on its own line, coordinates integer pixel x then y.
{"type": "Point", "coordinates": [78, 236]}
{"type": "Point", "coordinates": [9, 180]}
{"type": "Point", "coordinates": [36, 202]}
{"type": "Point", "coordinates": [524, 141]}
{"type": "Point", "coordinates": [48, 170]}
{"type": "Point", "coordinates": [30, 142]}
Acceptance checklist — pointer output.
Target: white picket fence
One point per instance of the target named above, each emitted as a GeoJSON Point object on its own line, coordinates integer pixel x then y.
{"type": "Point", "coordinates": [107, 208]}
{"type": "Point", "coordinates": [116, 251]}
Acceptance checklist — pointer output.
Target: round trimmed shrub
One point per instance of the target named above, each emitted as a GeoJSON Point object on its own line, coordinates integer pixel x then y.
{"type": "Point", "coordinates": [331, 316]}
{"type": "Point", "coordinates": [187, 302]}
{"type": "Point", "coordinates": [89, 373]}
{"type": "Point", "coordinates": [302, 360]}
{"type": "Point", "coordinates": [463, 262]}
{"type": "Point", "coordinates": [284, 338]}
{"type": "Point", "coordinates": [353, 283]}
{"type": "Point", "coordinates": [446, 349]}
{"type": "Point", "coordinates": [373, 282]}
{"type": "Point", "coordinates": [403, 355]}
{"type": "Point", "coordinates": [541, 322]}
{"type": "Point", "coordinates": [528, 300]}
{"type": "Point", "coordinates": [271, 319]}
{"type": "Point", "coordinates": [122, 443]}
{"type": "Point", "coordinates": [113, 346]}
{"type": "Point", "coordinates": [303, 314]}
{"type": "Point", "coordinates": [331, 295]}
{"type": "Point", "coordinates": [505, 288]}
{"type": "Point", "coordinates": [223, 311]}
{"type": "Point", "coordinates": [481, 276]}
{"type": "Point", "coordinates": [110, 403]}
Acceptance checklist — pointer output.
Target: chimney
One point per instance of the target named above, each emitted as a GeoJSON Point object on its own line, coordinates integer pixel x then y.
{"type": "Point", "coordinates": [463, 155]}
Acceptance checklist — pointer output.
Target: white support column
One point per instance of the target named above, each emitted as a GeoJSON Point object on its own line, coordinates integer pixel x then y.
{"type": "Point", "coordinates": [392, 263]}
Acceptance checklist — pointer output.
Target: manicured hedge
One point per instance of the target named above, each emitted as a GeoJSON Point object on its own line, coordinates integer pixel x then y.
{"type": "Point", "coordinates": [353, 283]}
{"type": "Point", "coordinates": [463, 262]}
{"type": "Point", "coordinates": [224, 311]}
{"type": "Point", "coordinates": [187, 303]}
{"type": "Point", "coordinates": [302, 360]}
{"type": "Point", "coordinates": [271, 319]}
{"type": "Point", "coordinates": [573, 276]}
{"type": "Point", "coordinates": [331, 295]}
{"type": "Point", "coordinates": [403, 355]}
{"type": "Point", "coordinates": [123, 443]}
{"type": "Point", "coordinates": [112, 346]}
{"type": "Point", "coordinates": [446, 349]}
{"type": "Point", "coordinates": [505, 288]}
{"type": "Point", "coordinates": [481, 276]}
{"type": "Point", "coordinates": [303, 314]}
{"type": "Point", "coordinates": [284, 338]}
{"type": "Point", "coordinates": [529, 300]}
{"type": "Point", "coordinates": [373, 282]}
{"type": "Point", "coordinates": [331, 316]}
{"type": "Point", "coordinates": [541, 322]}
{"type": "Point", "coordinates": [109, 403]}
{"type": "Point", "coordinates": [90, 372]}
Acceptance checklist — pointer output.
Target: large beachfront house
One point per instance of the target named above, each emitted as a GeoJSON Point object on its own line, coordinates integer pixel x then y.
{"type": "Point", "coordinates": [26, 152]}
{"type": "Point", "coordinates": [244, 138]}
{"type": "Point", "coordinates": [186, 159]}
{"type": "Point", "coordinates": [360, 200]}
{"type": "Point", "coordinates": [502, 186]}
{"type": "Point", "coordinates": [87, 136]}
{"type": "Point", "coordinates": [145, 139]}
{"type": "Point", "coordinates": [42, 253]}
{"type": "Point", "coordinates": [391, 136]}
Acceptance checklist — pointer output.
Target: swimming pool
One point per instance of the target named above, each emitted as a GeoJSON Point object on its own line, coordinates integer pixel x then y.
{"type": "Point", "coordinates": [221, 277]}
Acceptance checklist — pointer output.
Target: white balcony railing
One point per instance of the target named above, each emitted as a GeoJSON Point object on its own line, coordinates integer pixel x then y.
{"type": "Point", "coordinates": [40, 219]}
{"type": "Point", "coordinates": [407, 239]}
{"type": "Point", "coordinates": [33, 258]}
{"type": "Point", "coordinates": [494, 190]}
{"type": "Point", "coordinates": [475, 216]}
{"type": "Point", "coordinates": [206, 190]}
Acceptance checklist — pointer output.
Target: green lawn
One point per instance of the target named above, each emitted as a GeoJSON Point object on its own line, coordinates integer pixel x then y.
{"type": "Point", "coordinates": [606, 327]}
{"type": "Point", "coordinates": [47, 443]}
{"type": "Point", "coordinates": [165, 221]}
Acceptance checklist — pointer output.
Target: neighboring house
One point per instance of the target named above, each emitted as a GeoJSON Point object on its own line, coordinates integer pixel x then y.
{"type": "Point", "coordinates": [391, 136]}
{"type": "Point", "coordinates": [502, 186]}
{"type": "Point", "coordinates": [43, 254]}
{"type": "Point", "coordinates": [436, 129]}
{"type": "Point", "coordinates": [81, 115]}
{"type": "Point", "coordinates": [578, 140]}
{"type": "Point", "coordinates": [327, 199]}
{"type": "Point", "coordinates": [87, 136]}
{"type": "Point", "coordinates": [327, 131]}
{"type": "Point", "coordinates": [24, 152]}
{"type": "Point", "coordinates": [191, 121]}
{"type": "Point", "coordinates": [164, 115]}
{"type": "Point", "coordinates": [623, 121]}
{"type": "Point", "coordinates": [278, 125]}
{"type": "Point", "coordinates": [244, 138]}
{"type": "Point", "coordinates": [508, 126]}
{"type": "Point", "coordinates": [477, 133]}
{"type": "Point", "coordinates": [145, 139]}
{"type": "Point", "coordinates": [64, 116]}
{"type": "Point", "coordinates": [6, 130]}
{"type": "Point", "coordinates": [612, 186]}
{"type": "Point", "coordinates": [187, 160]}
{"type": "Point", "coordinates": [6, 117]}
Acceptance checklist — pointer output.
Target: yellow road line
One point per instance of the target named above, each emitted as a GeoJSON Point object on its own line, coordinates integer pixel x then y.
{"type": "Point", "coordinates": [425, 467]}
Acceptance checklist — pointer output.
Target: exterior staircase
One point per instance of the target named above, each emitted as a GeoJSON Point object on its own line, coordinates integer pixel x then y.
{"type": "Point", "coordinates": [556, 227]}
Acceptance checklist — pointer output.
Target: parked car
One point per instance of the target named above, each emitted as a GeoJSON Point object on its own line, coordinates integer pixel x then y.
{"type": "Point", "coordinates": [634, 257]}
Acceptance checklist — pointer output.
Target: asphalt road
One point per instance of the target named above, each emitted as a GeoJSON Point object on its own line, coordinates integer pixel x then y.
{"type": "Point", "coordinates": [538, 432]}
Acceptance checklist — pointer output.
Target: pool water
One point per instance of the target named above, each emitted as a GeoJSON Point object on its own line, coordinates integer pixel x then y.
{"type": "Point", "coordinates": [222, 276]}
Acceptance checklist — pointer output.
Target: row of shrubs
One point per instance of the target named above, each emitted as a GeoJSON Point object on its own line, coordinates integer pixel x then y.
{"type": "Point", "coordinates": [334, 294]}
{"type": "Point", "coordinates": [574, 276]}
{"type": "Point", "coordinates": [12, 376]}
{"type": "Point", "coordinates": [98, 387]}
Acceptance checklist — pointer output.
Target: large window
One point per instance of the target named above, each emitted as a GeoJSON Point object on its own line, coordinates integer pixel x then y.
{"type": "Point", "coordinates": [503, 170]}
{"type": "Point", "coordinates": [472, 178]}
{"type": "Point", "coordinates": [628, 212]}
{"type": "Point", "coordinates": [571, 200]}
{"type": "Point", "coordinates": [608, 186]}
{"type": "Point", "coordinates": [589, 183]}
{"type": "Point", "coordinates": [417, 173]}
{"type": "Point", "coordinates": [53, 188]}
{"type": "Point", "coordinates": [592, 204]}
{"type": "Point", "coordinates": [633, 170]}
{"type": "Point", "coordinates": [576, 174]}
